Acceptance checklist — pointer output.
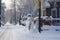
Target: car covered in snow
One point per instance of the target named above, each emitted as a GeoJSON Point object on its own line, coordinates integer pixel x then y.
{"type": "Point", "coordinates": [25, 19]}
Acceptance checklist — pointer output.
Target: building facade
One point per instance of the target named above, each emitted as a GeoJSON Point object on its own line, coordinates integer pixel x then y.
{"type": "Point", "coordinates": [53, 10]}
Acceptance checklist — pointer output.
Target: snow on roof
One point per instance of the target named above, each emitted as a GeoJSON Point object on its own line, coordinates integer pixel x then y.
{"type": "Point", "coordinates": [54, 0]}
{"type": "Point", "coordinates": [44, 17]}
{"type": "Point", "coordinates": [47, 5]}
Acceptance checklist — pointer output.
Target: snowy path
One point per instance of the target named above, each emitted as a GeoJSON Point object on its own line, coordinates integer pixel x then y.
{"type": "Point", "coordinates": [19, 33]}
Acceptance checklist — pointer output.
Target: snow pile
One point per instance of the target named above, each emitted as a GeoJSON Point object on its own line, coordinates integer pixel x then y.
{"type": "Point", "coordinates": [46, 17]}
{"type": "Point", "coordinates": [17, 24]}
{"type": "Point", "coordinates": [23, 34]}
{"type": "Point", "coordinates": [50, 28]}
{"type": "Point", "coordinates": [2, 30]}
{"type": "Point", "coordinates": [7, 23]}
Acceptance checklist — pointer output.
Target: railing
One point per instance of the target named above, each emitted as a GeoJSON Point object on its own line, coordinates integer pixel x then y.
{"type": "Point", "coordinates": [54, 21]}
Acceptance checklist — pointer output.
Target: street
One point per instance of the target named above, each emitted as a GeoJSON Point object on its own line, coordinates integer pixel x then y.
{"type": "Point", "coordinates": [16, 32]}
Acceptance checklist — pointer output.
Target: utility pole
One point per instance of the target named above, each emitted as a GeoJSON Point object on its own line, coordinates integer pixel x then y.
{"type": "Point", "coordinates": [40, 21]}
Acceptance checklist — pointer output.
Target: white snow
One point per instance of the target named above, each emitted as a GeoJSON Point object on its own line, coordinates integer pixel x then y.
{"type": "Point", "coordinates": [19, 32]}
{"type": "Point", "coordinates": [46, 17]}
{"type": "Point", "coordinates": [47, 5]}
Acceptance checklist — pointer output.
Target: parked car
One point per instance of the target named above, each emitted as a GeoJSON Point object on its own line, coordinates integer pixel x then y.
{"type": "Point", "coordinates": [23, 21]}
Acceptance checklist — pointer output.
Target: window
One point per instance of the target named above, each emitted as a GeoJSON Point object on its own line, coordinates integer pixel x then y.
{"type": "Point", "coordinates": [59, 14]}
{"type": "Point", "coordinates": [54, 13]}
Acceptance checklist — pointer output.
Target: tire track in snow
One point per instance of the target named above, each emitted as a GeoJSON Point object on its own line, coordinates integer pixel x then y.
{"type": "Point", "coordinates": [8, 35]}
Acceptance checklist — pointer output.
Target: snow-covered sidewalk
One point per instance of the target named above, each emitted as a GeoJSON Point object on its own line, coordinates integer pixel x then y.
{"type": "Point", "coordinates": [16, 32]}
{"type": "Point", "coordinates": [51, 28]}
{"type": "Point", "coordinates": [2, 29]}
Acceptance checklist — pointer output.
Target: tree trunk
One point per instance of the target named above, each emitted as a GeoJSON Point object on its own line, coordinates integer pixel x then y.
{"type": "Point", "coordinates": [0, 13]}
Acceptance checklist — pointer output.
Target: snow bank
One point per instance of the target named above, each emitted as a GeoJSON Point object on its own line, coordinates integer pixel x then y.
{"type": "Point", "coordinates": [20, 33]}
{"type": "Point", "coordinates": [50, 28]}
{"type": "Point", "coordinates": [2, 30]}
{"type": "Point", "coordinates": [7, 23]}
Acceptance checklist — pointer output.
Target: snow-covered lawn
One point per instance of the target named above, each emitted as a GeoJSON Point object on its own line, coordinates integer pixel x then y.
{"type": "Point", "coordinates": [19, 32]}
{"type": "Point", "coordinates": [51, 28]}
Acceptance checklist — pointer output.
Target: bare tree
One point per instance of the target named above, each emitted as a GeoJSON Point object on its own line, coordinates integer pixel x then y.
{"type": "Point", "coordinates": [23, 7]}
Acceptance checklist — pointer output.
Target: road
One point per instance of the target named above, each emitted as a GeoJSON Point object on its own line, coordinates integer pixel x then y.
{"type": "Point", "coordinates": [20, 33]}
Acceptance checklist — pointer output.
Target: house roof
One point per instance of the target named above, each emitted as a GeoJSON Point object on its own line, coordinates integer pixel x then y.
{"type": "Point", "coordinates": [54, 0]}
